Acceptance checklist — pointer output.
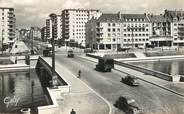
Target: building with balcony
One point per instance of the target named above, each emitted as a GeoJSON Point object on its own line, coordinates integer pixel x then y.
{"type": "Point", "coordinates": [43, 34]}
{"type": "Point", "coordinates": [73, 21]}
{"type": "Point", "coordinates": [160, 31]}
{"type": "Point", "coordinates": [177, 26]}
{"type": "Point", "coordinates": [57, 28]}
{"type": "Point", "coordinates": [35, 33]}
{"type": "Point", "coordinates": [112, 31]}
{"type": "Point", "coordinates": [7, 26]}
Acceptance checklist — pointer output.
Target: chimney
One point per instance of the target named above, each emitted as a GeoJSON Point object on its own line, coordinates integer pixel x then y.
{"type": "Point", "coordinates": [119, 15]}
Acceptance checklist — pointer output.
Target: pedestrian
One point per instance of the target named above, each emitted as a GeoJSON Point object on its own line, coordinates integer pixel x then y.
{"type": "Point", "coordinates": [79, 73]}
{"type": "Point", "coordinates": [72, 112]}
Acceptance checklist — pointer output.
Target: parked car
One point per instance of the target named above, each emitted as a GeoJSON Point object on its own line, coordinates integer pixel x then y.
{"type": "Point", "coordinates": [128, 105]}
{"type": "Point", "coordinates": [130, 80]}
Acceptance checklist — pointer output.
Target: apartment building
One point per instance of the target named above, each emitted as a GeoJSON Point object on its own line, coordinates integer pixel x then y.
{"type": "Point", "coordinates": [7, 26]}
{"type": "Point", "coordinates": [73, 21]}
{"type": "Point", "coordinates": [43, 34]}
{"type": "Point", "coordinates": [112, 31]}
{"type": "Point", "coordinates": [177, 26]}
{"type": "Point", "coordinates": [160, 31]}
{"type": "Point", "coordinates": [35, 33]}
{"type": "Point", "coordinates": [135, 30]}
{"type": "Point", "coordinates": [57, 28]}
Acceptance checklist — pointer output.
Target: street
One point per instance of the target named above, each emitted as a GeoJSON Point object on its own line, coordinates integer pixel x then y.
{"type": "Point", "coordinates": [152, 99]}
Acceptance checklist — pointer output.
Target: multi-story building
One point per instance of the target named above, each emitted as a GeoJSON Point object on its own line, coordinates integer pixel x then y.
{"type": "Point", "coordinates": [35, 33]}
{"type": "Point", "coordinates": [23, 34]}
{"type": "Point", "coordinates": [73, 21]}
{"type": "Point", "coordinates": [43, 34]}
{"type": "Point", "coordinates": [112, 31]}
{"type": "Point", "coordinates": [57, 28]}
{"type": "Point", "coordinates": [135, 30]}
{"type": "Point", "coordinates": [7, 26]}
{"type": "Point", "coordinates": [177, 26]}
{"type": "Point", "coordinates": [160, 31]}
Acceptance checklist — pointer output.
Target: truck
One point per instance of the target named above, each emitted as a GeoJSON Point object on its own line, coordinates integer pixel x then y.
{"type": "Point", "coordinates": [105, 64]}
{"type": "Point", "coordinates": [70, 53]}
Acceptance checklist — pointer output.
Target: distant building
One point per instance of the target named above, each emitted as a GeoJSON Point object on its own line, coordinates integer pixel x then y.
{"type": "Point", "coordinates": [177, 26]}
{"type": "Point", "coordinates": [43, 34]}
{"type": "Point", "coordinates": [35, 33]}
{"type": "Point", "coordinates": [73, 22]}
{"type": "Point", "coordinates": [58, 28]}
{"type": "Point", "coordinates": [7, 26]}
{"type": "Point", "coordinates": [23, 34]}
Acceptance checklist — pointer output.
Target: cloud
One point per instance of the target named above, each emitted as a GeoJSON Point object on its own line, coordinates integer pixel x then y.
{"type": "Point", "coordinates": [34, 12]}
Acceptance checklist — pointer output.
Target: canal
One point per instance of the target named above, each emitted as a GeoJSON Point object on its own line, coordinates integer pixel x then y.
{"type": "Point", "coordinates": [21, 90]}
{"type": "Point", "coordinates": [171, 67]}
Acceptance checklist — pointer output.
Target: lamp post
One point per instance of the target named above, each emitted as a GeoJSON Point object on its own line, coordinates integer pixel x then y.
{"type": "Point", "coordinates": [54, 77]}
{"type": "Point", "coordinates": [2, 40]}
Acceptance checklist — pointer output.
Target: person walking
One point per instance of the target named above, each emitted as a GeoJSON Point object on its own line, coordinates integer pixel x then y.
{"type": "Point", "coordinates": [72, 112]}
{"type": "Point", "coordinates": [79, 73]}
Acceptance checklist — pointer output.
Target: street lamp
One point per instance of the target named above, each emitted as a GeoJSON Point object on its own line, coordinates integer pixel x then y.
{"type": "Point", "coordinates": [54, 77]}
{"type": "Point", "coordinates": [2, 40]}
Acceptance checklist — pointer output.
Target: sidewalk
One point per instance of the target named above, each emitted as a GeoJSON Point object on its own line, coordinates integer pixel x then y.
{"type": "Point", "coordinates": [177, 88]}
{"type": "Point", "coordinates": [81, 98]}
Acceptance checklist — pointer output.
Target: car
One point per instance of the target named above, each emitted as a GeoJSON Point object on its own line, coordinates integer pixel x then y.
{"type": "Point", "coordinates": [130, 80]}
{"type": "Point", "coordinates": [128, 105]}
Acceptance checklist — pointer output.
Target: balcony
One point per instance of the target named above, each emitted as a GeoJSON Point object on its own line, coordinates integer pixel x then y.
{"type": "Point", "coordinates": [11, 12]}
{"type": "Point", "coordinates": [180, 26]}
{"type": "Point", "coordinates": [11, 33]}
{"type": "Point", "coordinates": [160, 38]}
{"type": "Point", "coordinates": [180, 32]}
{"type": "Point", "coordinates": [11, 24]}
{"type": "Point", "coordinates": [11, 16]}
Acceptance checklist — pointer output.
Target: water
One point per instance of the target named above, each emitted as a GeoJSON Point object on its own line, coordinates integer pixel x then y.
{"type": "Point", "coordinates": [19, 90]}
{"type": "Point", "coordinates": [171, 67]}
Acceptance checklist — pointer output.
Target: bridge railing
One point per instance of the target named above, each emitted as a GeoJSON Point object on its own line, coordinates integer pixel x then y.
{"type": "Point", "coordinates": [141, 69]}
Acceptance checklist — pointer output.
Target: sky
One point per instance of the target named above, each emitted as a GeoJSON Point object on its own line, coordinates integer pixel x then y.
{"type": "Point", "coordinates": [34, 12]}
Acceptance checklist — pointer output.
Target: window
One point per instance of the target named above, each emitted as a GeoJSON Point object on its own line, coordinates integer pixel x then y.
{"type": "Point", "coordinates": [124, 40]}
{"type": "Point", "coordinates": [114, 30]}
{"type": "Point", "coordinates": [175, 24]}
{"type": "Point", "coordinates": [113, 24]}
{"type": "Point", "coordinates": [114, 39]}
{"type": "Point", "coordinates": [109, 30]}
{"type": "Point", "coordinates": [109, 34]}
{"type": "Point", "coordinates": [118, 29]}
{"type": "Point", "coordinates": [109, 24]}
{"type": "Point", "coordinates": [124, 34]}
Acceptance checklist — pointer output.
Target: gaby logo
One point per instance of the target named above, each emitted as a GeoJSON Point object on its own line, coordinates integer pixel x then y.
{"type": "Point", "coordinates": [13, 101]}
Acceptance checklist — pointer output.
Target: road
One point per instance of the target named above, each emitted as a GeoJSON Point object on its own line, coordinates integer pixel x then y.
{"type": "Point", "coordinates": [152, 99]}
